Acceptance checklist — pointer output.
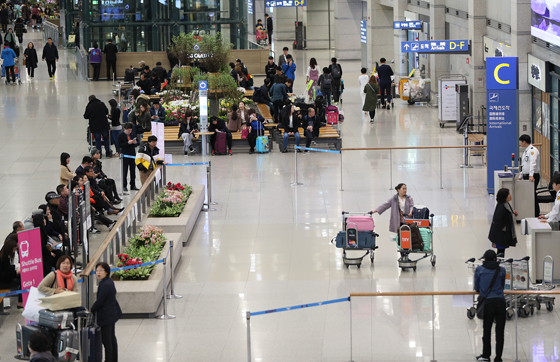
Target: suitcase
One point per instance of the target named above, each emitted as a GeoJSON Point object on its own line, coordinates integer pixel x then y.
{"type": "Point", "coordinates": [66, 345]}
{"type": "Point", "coordinates": [421, 214]}
{"type": "Point", "coordinates": [366, 240]}
{"type": "Point", "coordinates": [56, 320]}
{"type": "Point", "coordinates": [220, 146]}
{"type": "Point", "coordinates": [262, 143]}
{"type": "Point", "coordinates": [426, 238]}
{"type": "Point", "coordinates": [92, 347]}
{"type": "Point", "coordinates": [364, 223]}
{"type": "Point", "coordinates": [332, 115]}
{"type": "Point", "coordinates": [129, 75]}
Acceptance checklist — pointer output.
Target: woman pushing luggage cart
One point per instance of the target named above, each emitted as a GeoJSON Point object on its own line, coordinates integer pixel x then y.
{"type": "Point", "coordinates": [415, 237]}
{"type": "Point", "coordinates": [357, 235]}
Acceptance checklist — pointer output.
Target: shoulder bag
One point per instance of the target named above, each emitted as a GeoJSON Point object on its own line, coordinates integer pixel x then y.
{"type": "Point", "coordinates": [482, 298]}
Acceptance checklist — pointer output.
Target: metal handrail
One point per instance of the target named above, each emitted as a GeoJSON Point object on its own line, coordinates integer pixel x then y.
{"type": "Point", "coordinates": [113, 233]}
{"type": "Point", "coordinates": [409, 148]}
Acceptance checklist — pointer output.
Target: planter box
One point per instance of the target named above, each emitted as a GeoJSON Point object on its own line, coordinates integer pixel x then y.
{"type": "Point", "coordinates": [183, 223]}
{"type": "Point", "coordinates": [142, 298]}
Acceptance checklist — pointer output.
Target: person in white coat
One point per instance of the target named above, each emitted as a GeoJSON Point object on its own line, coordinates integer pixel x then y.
{"type": "Point", "coordinates": [554, 214]}
{"type": "Point", "coordinates": [363, 79]}
{"type": "Point", "coordinates": [531, 165]}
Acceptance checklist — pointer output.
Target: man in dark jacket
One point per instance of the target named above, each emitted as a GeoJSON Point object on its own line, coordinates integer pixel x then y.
{"type": "Point", "coordinates": [312, 123]}
{"type": "Point", "coordinates": [270, 68]}
{"type": "Point", "coordinates": [127, 145]}
{"type": "Point", "coordinates": [291, 122]}
{"type": "Point", "coordinates": [219, 126]}
{"type": "Point", "coordinates": [336, 74]}
{"type": "Point", "coordinates": [50, 54]}
{"type": "Point", "coordinates": [145, 84]}
{"type": "Point", "coordinates": [261, 95]}
{"type": "Point", "coordinates": [161, 72]}
{"type": "Point", "coordinates": [96, 112]}
{"type": "Point", "coordinates": [111, 51]}
{"type": "Point", "coordinates": [494, 305]}
{"type": "Point", "coordinates": [385, 72]}
{"type": "Point", "coordinates": [269, 28]}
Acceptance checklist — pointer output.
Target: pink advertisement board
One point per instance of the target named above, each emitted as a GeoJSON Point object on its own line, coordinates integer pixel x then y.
{"type": "Point", "coordinates": [30, 259]}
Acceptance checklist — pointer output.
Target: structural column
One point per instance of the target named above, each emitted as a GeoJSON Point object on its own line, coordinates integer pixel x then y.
{"type": "Point", "coordinates": [439, 63]}
{"type": "Point", "coordinates": [347, 29]}
{"type": "Point", "coordinates": [380, 31]}
{"type": "Point", "coordinates": [401, 66]}
{"type": "Point", "coordinates": [316, 20]}
{"type": "Point", "coordinates": [521, 43]}
{"type": "Point", "coordinates": [477, 69]}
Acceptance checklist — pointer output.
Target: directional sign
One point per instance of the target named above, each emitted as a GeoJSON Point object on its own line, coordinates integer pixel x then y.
{"type": "Point", "coordinates": [203, 104]}
{"type": "Point", "coordinates": [417, 24]}
{"type": "Point", "coordinates": [284, 3]}
{"type": "Point", "coordinates": [250, 6]}
{"type": "Point", "coordinates": [436, 46]}
{"type": "Point", "coordinates": [363, 31]}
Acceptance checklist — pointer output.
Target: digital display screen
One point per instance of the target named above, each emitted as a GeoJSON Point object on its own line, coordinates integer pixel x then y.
{"type": "Point", "coordinates": [545, 20]}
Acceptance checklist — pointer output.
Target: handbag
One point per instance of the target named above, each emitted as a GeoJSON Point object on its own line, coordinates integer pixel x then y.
{"type": "Point", "coordinates": [482, 299]}
{"type": "Point", "coordinates": [32, 307]}
{"type": "Point", "coordinates": [64, 300]}
{"type": "Point", "coordinates": [24, 62]}
{"type": "Point", "coordinates": [245, 133]}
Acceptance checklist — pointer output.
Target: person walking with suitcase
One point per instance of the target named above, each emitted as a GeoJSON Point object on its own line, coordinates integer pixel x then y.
{"type": "Point", "coordinates": [502, 231]}
{"type": "Point", "coordinates": [50, 54]}
{"type": "Point", "coordinates": [107, 310]}
{"type": "Point", "coordinates": [385, 72]}
{"type": "Point", "coordinates": [336, 73]}
{"type": "Point", "coordinates": [370, 90]}
{"type": "Point", "coordinates": [111, 51]}
{"type": "Point", "coordinates": [489, 281]}
{"type": "Point", "coordinates": [325, 82]}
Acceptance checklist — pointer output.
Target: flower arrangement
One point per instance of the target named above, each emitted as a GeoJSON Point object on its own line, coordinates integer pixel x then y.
{"type": "Point", "coordinates": [175, 109]}
{"type": "Point", "coordinates": [172, 201]}
{"type": "Point", "coordinates": [143, 248]}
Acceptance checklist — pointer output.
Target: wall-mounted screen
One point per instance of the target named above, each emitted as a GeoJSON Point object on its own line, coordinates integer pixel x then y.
{"type": "Point", "coordinates": [545, 20]}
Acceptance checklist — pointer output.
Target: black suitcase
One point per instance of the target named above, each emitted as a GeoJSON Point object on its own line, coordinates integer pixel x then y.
{"type": "Point", "coordinates": [91, 345]}
{"type": "Point", "coordinates": [129, 75]}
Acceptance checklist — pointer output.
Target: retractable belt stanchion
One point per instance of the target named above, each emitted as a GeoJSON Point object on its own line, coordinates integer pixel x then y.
{"type": "Point", "coordinates": [248, 317]}
{"type": "Point", "coordinates": [165, 315]}
{"type": "Point", "coordinates": [295, 183]}
{"type": "Point", "coordinates": [123, 181]}
{"type": "Point", "coordinates": [172, 295]}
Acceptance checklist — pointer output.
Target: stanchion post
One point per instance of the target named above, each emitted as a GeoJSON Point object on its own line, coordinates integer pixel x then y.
{"type": "Point", "coordinates": [433, 329]}
{"type": "Point", "coordinates": [248, 316]}
{"type": "Point", "coordinates": [123, 181]}
{"type": "Point", "coordinates": [516, 351]}
{"type": "Point", "coordinates": [209, 181]}
{"type": "Point", "coordinates": [341, 189]}
{"type": "Point", "coordinates": [164, 175]}
{"type": "Point", "coordinates": [165, 315]}
{"type": "Point", "coordinates": [350, 301]}
{"type": "Point", "coordinates": [391, 168]}
{"type": "Point", "coordinates": [295, 183]}
{"type": "Point", "coordinates": [440, 171]}
{"type": "Point", "coordinates": [172, 295]}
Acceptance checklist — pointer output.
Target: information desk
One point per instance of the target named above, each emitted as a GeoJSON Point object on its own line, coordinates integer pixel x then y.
{"type": "Point", "coordinates": [542, 240]}
{"type": "Point", "coordinates": [523, 199]}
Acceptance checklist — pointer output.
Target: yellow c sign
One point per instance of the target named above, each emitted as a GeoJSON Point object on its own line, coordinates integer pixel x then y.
{"type": "Point", "coordinates": [496, 70]}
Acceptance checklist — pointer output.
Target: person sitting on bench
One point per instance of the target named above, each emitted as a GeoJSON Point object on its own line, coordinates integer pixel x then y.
{"type": "Point", "coordinates": [261, 95]}
{"type": "Point", "coordinates": [312, 124]}
{"type": "Point", "coordinates": [256, 129]}
{"type": "Point", "coordinates": [217, 125]}
{"type": "Point", "coordinates": [290, 122]}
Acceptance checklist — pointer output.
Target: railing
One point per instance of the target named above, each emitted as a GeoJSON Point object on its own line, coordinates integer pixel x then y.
{"type": "Point", "coordinates": [82, 59]}
{"type": "Point", "coordinates": [51, 31]}
{"type": "Point", "coordinates": [124, 228]}
{"type": "Point", "coordinates": [390, 294]}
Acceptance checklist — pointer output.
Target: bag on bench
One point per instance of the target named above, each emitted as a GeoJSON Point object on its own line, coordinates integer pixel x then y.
{"type": "Point", "coordinates": [220, 146]}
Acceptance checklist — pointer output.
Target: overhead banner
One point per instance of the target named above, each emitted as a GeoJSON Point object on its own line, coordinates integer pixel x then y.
{"type": "Point", "coordinates": [502, 84]}
{"type": "Point", "coordinates": [435, 46]}
{"type": "Point", "coordinates": [285, 3]}
{"type": "Point", "coordinates": [30, 259]}
{"type": "Point", "coordinates": [407, 25]}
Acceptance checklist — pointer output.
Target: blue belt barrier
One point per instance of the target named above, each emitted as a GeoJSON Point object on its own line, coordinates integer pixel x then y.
{"type": "Point", "coordinates": [333, 301]}
{"type": "Point", "coordinates": [316, 149]}
{"type": "Point", "coordinates": [14, 292]}
{"type": "Point", "coordinates": [188, 164]}
{"type": "Point", "coordinates": [128, 156]}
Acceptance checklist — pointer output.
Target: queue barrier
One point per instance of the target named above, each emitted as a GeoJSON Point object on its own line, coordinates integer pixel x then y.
{"type": "Point", "coordinates": [296, 148]}
{"type": "Point", "coordinates": [393, 294]}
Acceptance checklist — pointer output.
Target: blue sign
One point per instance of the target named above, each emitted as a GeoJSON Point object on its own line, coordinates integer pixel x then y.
{"type": "Point", "coordinates": [202, 85]}
{"type": "Point", "coordinates": [250, 6]}
{"type": "Point", "coordinates": [502, 80]}
{"type": "Point", "coordinates": [363, 31]}
{"type": "Point", "coordinates": [435, 46]}
{"type": "Point", "coordinates": [417, 24]}
{"type": "Point", "coordinates": [284, 3]}
{"type": "Point", "coordinates": [502, 73]}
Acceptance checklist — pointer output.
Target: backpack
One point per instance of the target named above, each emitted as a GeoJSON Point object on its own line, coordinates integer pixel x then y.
{"type": "Point", "coordinates": [336, 72]}
{"type": "Point", "coordinates": [129, 75]}
{"type": "Point", "coordinates": [327, 82]}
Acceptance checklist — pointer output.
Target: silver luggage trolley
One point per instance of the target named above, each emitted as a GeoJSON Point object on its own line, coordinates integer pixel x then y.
{"type": "Point", "coordinates": [350, 239]}
{"type": "Point", "coordinates": [404, 243]}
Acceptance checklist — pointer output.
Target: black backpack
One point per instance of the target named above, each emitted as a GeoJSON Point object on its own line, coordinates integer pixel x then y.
{"type": "Point", "coordinates": [336, 71]}
{"type": "Point", "coordinates": [129, 75]}
{"type": "Point", "coordinates": [327, 82]}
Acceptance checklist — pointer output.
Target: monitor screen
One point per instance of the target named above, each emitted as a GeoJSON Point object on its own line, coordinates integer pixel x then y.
{"type": "Point", "coordinates": [545, 20]}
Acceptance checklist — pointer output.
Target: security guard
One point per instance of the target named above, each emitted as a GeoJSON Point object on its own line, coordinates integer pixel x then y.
{"type": "Point", "coordinates": [554, 214]}
{"type": "Point", "coordinates": [531, 165]}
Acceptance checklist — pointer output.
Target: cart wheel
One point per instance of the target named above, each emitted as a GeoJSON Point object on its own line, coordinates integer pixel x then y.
{"type": "Point", "coordinates": [532, 310]}
{"type": "Point", "coordinates": [509, 313]}
{"type": "Point", "coordinates": [549, 306]}
{"type": "Point", "coordinates": [441, 125]}
{"type": "Point", "coordinates": [433, 260]}
{"type": "Point", "coordinates": [414, 268]}
{"type": "Point", "coordinates": [359, 265]}
{"type": "Point", "coordinates": [527, 309]}
{"type": "Point", "coordinates": [471, 313]}
{"type": "Point", "coordinates": [411, 102]}
{"type": "Point", "coordinates": [538, 306]}
{"type": "Point", "coordinates": [371, 257]}
{"type": "Point", "coordinates": [346, 265]}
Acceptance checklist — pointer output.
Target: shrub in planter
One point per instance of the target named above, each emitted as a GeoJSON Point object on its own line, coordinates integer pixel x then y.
{"type": "Point", "coordinates": [142, 248]}
{"type": "Point", "coordinates": [172, 201]}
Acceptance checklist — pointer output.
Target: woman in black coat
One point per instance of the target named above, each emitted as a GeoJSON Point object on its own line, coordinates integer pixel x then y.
{"type": "Point", "coordinates": [108, 311]}
{"type": "Point", "coordinates": [31, 59]}
{"type": "Point", "coordinates": [502, 231]}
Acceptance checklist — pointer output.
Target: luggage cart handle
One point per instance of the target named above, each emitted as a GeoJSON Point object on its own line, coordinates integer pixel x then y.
{"type": "Point", "coordinates": [357, 213]}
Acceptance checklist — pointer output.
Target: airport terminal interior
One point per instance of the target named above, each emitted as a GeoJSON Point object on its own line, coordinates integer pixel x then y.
{"type": "Point", "coordinates": [267, 243]}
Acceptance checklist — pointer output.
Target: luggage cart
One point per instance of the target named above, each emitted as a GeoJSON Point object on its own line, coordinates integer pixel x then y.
{"type": "Point", "coordinates": [404, 243]}
{"type": "Point", "coordinates": [352, 239]}
{"type": "Point", "coordinates": [262, 37]}
{"type": "Point", "coordinates": [548, 272]}
{"type": "Point", "coordinates": [415, 90]}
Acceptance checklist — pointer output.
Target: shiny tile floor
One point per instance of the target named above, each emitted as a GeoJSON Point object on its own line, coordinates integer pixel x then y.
{"type": "Point", "coordinates": [267, 245]}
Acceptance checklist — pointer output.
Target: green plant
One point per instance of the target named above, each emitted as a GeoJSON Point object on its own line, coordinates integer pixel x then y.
{"type": "Point", "coordinates": [184, 74]}
{"type": "Point", "coordinates": [182, 47]}
{"type": "Point", "coordinates": [172, 201]}
{"type": "Point", "coordinates": [216, 52]}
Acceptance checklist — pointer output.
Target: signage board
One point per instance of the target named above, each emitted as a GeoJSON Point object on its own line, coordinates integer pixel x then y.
{"type": "Point", "coordinates": [363, 31]}
{"type": "Point", "coordinates": [407, 25]}
{"type": "Point", "coordinates": [435, 46]}
{"type": "Point", "coordinates": [285, 3]}
{"type": "Point", "coordinates": [447, 103]}
{"type": "Point", "coordinates": [502, 73]}
{"type": "Point", "coordinates": [250, 6]}
{"type": "Point", "coordinates": [538, 73]}
{"type": "Point", "coordinates": [203, 104]}
{"type": "Point", "coordinates": [30, 259]}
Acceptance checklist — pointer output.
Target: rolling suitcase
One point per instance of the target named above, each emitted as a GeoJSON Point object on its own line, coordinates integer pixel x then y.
{"type": "Point", "coordinates": [421, 214]}
{"type": "Point", "coordinates": [220, 146]}
{"type": "Point", "coordinates": [364, 223]}
{"type": "Point", "coordinates": [366, 240]}
{"type": "Point", "coordinates": [91, 346]}
{"type": "Point", "coordinates": [56, 320]}
{"type": "Point", "coordinates": [129, 75]}
{"type": "Point", "coordinates": [262, 143]}
{"type": "Point", "coordinates": [66, 345]}
{"type": "Point", "coordinates": [332, 115]}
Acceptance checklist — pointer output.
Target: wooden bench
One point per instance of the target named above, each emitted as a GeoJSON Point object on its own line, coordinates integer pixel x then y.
{"type": "Point", "coordinates": [327, 135]}
{"type": "Point", "coordinates": [249, 93]}
{"type": "Point", "coordinates": [2, 312]}
{"type": "Point", "coordinates": [265, 112]}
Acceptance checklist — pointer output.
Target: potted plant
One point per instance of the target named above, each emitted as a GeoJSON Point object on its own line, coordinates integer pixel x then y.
{"type": "Point", "coordinates": [183, 46]}
{"type": "Point", "coordinates": [216, 52]}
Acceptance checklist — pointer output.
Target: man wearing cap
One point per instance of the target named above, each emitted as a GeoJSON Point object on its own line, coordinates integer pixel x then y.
{"type": "Point", "coordinates": [161, 72]}
{"type": "Point", "coordinates": [291, 122]}
{"type": "Point", "coordinates": [489, 281]}
{"type": "Point", "coordinates": [140, 68]}
{"type": "Point", "coordinates": [158, 112]}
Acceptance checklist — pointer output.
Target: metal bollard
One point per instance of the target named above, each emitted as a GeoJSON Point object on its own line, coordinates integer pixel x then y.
{"type": "Point", "coordinates": [350, 300]}
{"type": "Point", "coordinates": [341, 189]}
{"type": "Point", "coordinates": [172, 295]}
{"type": "Point", "coordinates": [433, 331]}
{"type": "Point", "coordinates": [118, 243]}
{"type": "Point", "coordinates": [111, 252]}
{"type": "Point", "coordinates": [296, 183]}
{"type": "Point", "coordinates": [165, 315]}
{"type": "Point", "coordinates": [248, 317]}
{"type": "Point", "coordinates": [164, 176]}
{"type": "Point", "coordinates": [123, 181]}
{"type": "Point", "coordinates": [440, 171]}
{"type": "Point", "coordinates": [209, 189]}
{"type": "Point", "coordinates": [391, 168]}
{"type": "Point", "coordinates": [140, 209]}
